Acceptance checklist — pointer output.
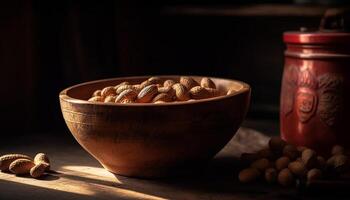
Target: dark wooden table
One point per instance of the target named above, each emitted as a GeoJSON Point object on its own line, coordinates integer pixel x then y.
{"type": "Point", "coordinates": [79, 176]}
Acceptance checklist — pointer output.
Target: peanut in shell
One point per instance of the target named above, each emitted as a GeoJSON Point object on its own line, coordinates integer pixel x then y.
{"type": "Point", "coordinates": [207, 83]}
{"type": "Point", "coordinates": [298, 168]}
{"type": "Point", "coordinates": [38, 170]}
{"type": "Point", "coordinates": [21, 166]}
{"type": "Point", "coordinates": [169, 83]}
{"type": "Point", "coordinates": [146, 94]}
{"type": "Point", "coordinates": [42, 158]}
{"type": "Point", "coordinates": [6, 160]}
{"type": "Point", "coordinates": [285, 177]}
{"type": "Point", "coordinates": [309, 158]}
{"type": "Point", "coordinates": [314, 174]}
{"type": "Point", "coordinates": [129, 94]}
{"type": "Point", "coordinates": [188, 82]}
{"type": "Point", "coordinates": [181, 92]}
{"type": "Point", "coordinates": [291, 151]}
{"type": "Point", "coordinates": [248, 175]}
{"type": "Point", "coordinates": [282, 163]}
{"type": "Point", "coordinates": [199, 92]}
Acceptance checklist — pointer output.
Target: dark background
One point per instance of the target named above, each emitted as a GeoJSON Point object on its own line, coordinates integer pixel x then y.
{"type": "Point", "coordinates": [47, 46]}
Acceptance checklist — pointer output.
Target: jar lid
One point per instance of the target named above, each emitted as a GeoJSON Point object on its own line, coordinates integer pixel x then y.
{"type": "Point", "coordinates": [334, 29]}
{"type": "Point", "coordinates": [317, 37]}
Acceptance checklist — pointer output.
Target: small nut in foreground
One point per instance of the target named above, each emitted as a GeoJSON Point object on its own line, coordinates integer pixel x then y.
{"type": "Point", "coordinates": [341, 163]}
{"type": "Point", "coordinates": [337, 161]}
{"type": "Point", "coordinates": [248, 175]}
{"type": "Point", "coordinates": [6, 160]}
{"type": "Point", "coordinates": [330, 161]}
{"type": "Point", "coordinates": [285, 177]}
{"type": "Point", "coordinates": [282, 163]}
{"type": "Point", "coordinates": [298, 168]}
{"type": "Point", "coordinates": [42, 158]}
{"type": "Point", "coordinates": [309, 158]}
{"type": "Point", "coordinates": [21, 166]}
{"type": "Point", "coordinates": [38, 170]}
{"type": "Point", "coordinates": [314, 174]}
{"type": "Point", "coordinates": [270, 175]}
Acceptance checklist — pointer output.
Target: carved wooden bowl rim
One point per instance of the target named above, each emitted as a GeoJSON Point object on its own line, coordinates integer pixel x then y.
{"type": "Point", "coordinates": [65, 97]}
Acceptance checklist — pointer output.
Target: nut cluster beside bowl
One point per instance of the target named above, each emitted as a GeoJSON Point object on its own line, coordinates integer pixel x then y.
{"type": "Point", "coordinates": [154, 140]}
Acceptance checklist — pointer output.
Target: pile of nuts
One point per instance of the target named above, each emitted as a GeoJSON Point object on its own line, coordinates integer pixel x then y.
{"type": "Point", "coordinates": [156, 90]}
{"type": "Point", "coordinates": [20, 164]}
{"type": "Point", "coordinates": [288, 164]}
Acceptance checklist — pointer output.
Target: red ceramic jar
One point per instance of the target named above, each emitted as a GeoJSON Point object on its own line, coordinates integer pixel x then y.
{"type": "Point", "coordinates": [316, 89]}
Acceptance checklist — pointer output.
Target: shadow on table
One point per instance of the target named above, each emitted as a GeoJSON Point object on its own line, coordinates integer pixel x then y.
{"type": "Point", "coordinates": [218, 181]}
{"type": "Point", "coordinates": [10, 191]}
{"type": "Point", "coordinates": [45, 177]}
{"type": "Point", "coordinates": [48, 177]}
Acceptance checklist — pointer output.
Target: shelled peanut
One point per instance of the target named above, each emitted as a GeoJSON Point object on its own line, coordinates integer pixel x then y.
{"type": "Point", "coordinates": [20, 164]}
{"type": "Point", "coordinates": [287, 164]}
{"type": "Point", "coordinates": [157, 90]}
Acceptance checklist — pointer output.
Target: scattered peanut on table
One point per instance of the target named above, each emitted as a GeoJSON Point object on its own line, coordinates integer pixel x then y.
{"type": "Point", "coordinates": [20, 164]}
{"type": "Point", "coordinates": [288, 165]}
{"type": "Point", "coordinates": [159, 90]}
{"type": "Point", "coordinates": [6, 160]}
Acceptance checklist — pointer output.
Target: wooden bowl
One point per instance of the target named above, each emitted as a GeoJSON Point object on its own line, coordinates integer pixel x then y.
{"type": "Point", "coordinates": [153, 140]}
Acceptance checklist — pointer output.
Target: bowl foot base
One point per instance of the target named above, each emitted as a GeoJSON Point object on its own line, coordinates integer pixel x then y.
{"type": "Point", "coordinates": [159, 173]}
